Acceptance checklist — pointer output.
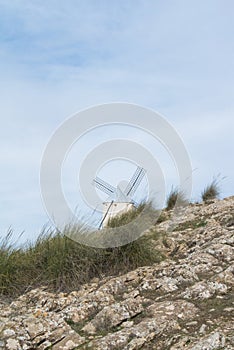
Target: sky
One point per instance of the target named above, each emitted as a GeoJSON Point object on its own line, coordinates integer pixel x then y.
{"type": "Point", "coordinates": [57, 58]}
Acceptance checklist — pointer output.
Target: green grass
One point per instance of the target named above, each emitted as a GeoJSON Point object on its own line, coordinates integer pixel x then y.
{"type": "Point", "coordinates": [146, 211]}
{"type": "Point", "coordinates": [175, 197]}
{"type": "Point", "coordinates": [62, 264]}
{"type": "Point", "coordinates": [211, 191]}
{"type": "Point", "coordinates": [193, 224]}
{"type": "Point", "coordinates": [127, 217]}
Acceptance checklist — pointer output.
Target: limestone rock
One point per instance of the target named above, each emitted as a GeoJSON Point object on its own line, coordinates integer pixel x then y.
{"type": "Point", "coordinates": [184, 302]}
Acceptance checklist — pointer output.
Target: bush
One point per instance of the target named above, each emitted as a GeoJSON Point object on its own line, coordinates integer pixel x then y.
{"type": "Point", "coordinates": [62, 264]}
{"type": "Point", "coordinates": [175, 197]}
{"type": "Point", "coordinates": [127, 217]}
{"type": "Point", "coordinates": [211, 191]}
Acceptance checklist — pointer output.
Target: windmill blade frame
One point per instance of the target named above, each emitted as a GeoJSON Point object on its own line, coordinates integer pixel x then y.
{"type": "Point", "coordinates": [104, 186]}
{"type": "Point", "coordinates": [135, 181]}
{"type": "Point", "coordinates": [130, 183]}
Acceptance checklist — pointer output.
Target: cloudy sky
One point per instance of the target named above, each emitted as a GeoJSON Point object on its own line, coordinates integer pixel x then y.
{"type": "Point", "coordinates": [58, 57]}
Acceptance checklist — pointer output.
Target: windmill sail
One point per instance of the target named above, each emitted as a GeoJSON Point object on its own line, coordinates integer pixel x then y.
{"type": "Point", "coordinates": [104, 186]}
{"type": "Point", "coordinates": [135, 181]}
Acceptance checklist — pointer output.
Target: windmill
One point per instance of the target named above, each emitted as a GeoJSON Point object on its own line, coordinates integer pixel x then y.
{"type": "Point", "coordinates": [119, 201]}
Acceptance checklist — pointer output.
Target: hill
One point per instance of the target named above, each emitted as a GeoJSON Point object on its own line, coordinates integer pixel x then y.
{"type": "Point", "coordinates": [186, 301]}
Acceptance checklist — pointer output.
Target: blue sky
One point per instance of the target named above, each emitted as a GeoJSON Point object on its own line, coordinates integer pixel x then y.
{"type": "Point", "coordinates": [58, 57]}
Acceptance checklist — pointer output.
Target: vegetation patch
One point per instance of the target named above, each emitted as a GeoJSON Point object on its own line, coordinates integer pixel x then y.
{"type": "Point", "coordinates": [62, 264]}
{"type": "Point", "coordinates": [190, 225]}
{"type": "Point", "coordinates": [126, 218]}
{"type": "Point", "coordinates": [211, 191]}
{"type": "Point", "coordinates": [177, 198]}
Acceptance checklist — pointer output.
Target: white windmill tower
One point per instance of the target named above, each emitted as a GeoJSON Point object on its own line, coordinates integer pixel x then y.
{"type": "Point", "coordinates": [119, 201]}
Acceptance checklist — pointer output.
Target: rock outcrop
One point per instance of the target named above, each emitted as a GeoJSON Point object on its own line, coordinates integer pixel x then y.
{"type": "Point", "coordinates": [184, 302]}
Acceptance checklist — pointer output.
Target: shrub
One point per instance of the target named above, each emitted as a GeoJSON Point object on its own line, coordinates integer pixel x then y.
{"type": "Point", "coordinates": [175, 197]}
{"type": "Point", "coordinates": [127, 217]}
{"type": "Point", "coordinates": [211, 191]}
{"type": "Point", "coordinates": [62, 264]}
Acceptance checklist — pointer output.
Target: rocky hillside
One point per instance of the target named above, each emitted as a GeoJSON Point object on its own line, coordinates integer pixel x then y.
{"type": "Point", "coordinates": [185, 302]}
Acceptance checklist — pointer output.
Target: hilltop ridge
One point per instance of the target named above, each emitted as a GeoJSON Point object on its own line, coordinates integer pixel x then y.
{"type": "Point", "coordinates": [184, 302]}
